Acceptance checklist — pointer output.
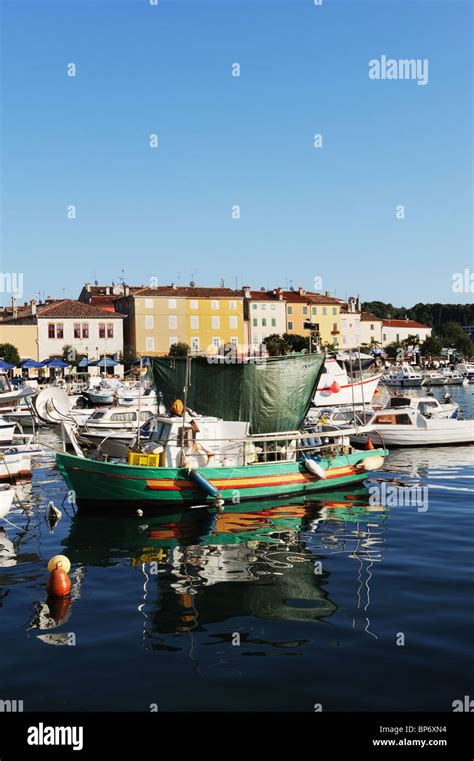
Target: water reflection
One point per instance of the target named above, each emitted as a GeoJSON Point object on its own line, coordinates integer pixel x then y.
{"type": "Point", "coordinates": [274, 556]}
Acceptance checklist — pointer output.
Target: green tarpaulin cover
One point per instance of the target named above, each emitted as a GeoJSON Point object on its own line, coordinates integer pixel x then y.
{"type": "Point", "coordinates": [273, 394]}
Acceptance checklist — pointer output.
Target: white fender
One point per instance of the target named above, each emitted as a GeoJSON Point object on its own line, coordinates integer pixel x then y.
{"type": "Point", "coordinates": [313, 468]}
{"type": "Point", "coordinates": [374, 462]}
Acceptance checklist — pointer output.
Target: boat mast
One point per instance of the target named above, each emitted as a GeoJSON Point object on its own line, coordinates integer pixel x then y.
{"type": "Point", "coordinates": [185, 393]}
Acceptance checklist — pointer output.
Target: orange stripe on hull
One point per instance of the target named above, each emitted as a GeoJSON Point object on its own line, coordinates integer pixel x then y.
{"type": "Point", "coordinates": [250, 483]}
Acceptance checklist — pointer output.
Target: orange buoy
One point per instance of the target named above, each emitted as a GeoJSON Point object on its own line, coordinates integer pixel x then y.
{"type": "Point", "coordinates": [334, 387]}
{"type": "Point", "coordinates": [177, 408]}
{"type": "Point", "coordinates": [369, 444]}
{"type": "Point", "coordinates": [59, 583]}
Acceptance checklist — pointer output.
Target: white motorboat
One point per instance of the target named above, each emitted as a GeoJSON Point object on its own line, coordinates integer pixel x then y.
{"type": "Point", "coordinates": [15, 462]}
{"type": "Point", "coordinates": [337, 388]}
{"type": "Point", "coordinates": [7, 429]}
{"type": "Point", "coordinates": [407, 427]}
{"type": "Point", "coordinates": [427, 405]}
{"type": "Point", "coordinates": [433, 378]}
{"type": "Point", "coordinates": [452, 377]}
{"type": "Point", "coordinates": [404, 376]}
{"type": "Point", "coordinates": [467, 370]}
{"type": "Point", "coordinates": [6, 498]}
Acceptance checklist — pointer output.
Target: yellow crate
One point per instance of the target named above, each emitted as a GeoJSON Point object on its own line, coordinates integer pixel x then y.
{"type": "Point", "coordinates": [146, 460]}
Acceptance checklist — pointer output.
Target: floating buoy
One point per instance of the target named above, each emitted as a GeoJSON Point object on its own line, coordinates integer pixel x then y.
{"type": "Point", "coordinates": [334, 388]}
{"type": "Point", "coordinates": [177, 408]}
{"type": "Point", "coordinates": [369, 444]}
{"type": "Point", "coordinates": [59, 583]}
{"type": "Point", "coordinates": [60, 560]}
{"type": "Point", "coordinates": [53, 514]}
{"type": "Point", "coordinates": [139, 513]}
{"type": "Point", "coordinates": [313, 468]}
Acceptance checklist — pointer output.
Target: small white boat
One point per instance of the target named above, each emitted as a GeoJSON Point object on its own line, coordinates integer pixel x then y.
{"type": "Point", "coordinates": [407, 427]}
{"type": "Point", "coordinates": [15, 463]}
{"type": "Point", "coordinates": [404, 376]}
{"type": "Point", "coordinates": [427, 405]}
{"type": "Point", "coordinates": [452, 377]}
{"type": "Point", "coordinates": [6, 498]}
{"type": "Point", "coordinates": [433, 378]}
{"type": "Point", "coordinates": [337, 388]}
{"type": "Point", "coordinates": [467, 370]}
{"type": "Point", "coordinates": [7, 429]}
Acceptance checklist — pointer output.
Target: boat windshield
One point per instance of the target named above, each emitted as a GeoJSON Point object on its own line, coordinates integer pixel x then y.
{"type": "Point", "coordinates": [399, 419]}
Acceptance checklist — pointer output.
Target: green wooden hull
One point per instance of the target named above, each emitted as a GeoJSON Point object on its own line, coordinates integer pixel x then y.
{"type": "Point", "coordinates": [103, 484]}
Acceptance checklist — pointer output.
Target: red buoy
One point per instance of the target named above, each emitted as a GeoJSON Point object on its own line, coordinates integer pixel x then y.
{"type": "Point", "coordinates": [59, 583]}
{"type": "Point", "coordinates": [369, 444]}
{"type": "Point", "coordinates": [334, 387]}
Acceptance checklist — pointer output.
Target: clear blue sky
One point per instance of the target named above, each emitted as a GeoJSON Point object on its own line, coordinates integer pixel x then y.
{"type": "Point", "coordinates": [224, 140]}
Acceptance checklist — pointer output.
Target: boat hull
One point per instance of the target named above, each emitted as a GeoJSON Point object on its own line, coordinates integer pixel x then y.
{"type": "Point", "coordinates": [407, 436]}
{"type": "Point", "coordinates": [100, 484]}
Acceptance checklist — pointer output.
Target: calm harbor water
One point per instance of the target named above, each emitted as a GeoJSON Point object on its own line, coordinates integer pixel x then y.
{"type": "Point", "coordinates": [269, 606]}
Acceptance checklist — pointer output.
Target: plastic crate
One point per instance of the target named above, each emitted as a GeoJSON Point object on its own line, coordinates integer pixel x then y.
{"type": "Point", "coordinates": [146, 460]}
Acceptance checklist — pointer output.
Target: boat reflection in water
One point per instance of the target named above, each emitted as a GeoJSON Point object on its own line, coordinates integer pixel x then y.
{"type": "Point", "coordinates": [274, 556]}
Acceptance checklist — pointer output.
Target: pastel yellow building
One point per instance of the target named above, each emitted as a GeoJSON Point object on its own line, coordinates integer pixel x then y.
{"type": "Point", "coordinates": [204, 318]}
{"type": "Point", "coordinates": [322, 310]}
{"type": "Point", "coordinates": [23, 337]}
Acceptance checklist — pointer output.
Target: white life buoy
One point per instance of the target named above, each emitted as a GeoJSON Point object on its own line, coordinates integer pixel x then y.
{"type": "Point", "coordinates": [313, 468]}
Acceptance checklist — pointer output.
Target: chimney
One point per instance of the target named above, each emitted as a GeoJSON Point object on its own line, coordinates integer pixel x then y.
{"type": "Point", "coordinates": [126, 290]}
{"type": "Point", "coordinates": [107, 290]}
{"type": "Point", "coordinates": [246, 289]}
{"type": "Point", "coordinates": [14, 308]}
{"type": "Point", "coordinates": [88, 287]}
{"type": "Point", "coordinates": [326, 293]}
{"type": "Point", "coordinates": [33, 307]}
{"type": "Point", "coordinates": [301, 291]}
{"type": "Point", "coordinates": [174, 286]}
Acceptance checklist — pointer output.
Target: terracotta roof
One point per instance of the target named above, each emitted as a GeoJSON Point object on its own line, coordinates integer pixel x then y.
{"type": "Point", "coordinates": [187, 292]}
{"type": "Point", "coordinates": [310, 298]}
{"type": "Point", "coordinates": [262, 296]}
{"type": "Point", "coordinates": [67, 309]}
{"type": "Point", "coordinates": [404, 324]}
{"type": "Point", "coordinates": [369, 317]}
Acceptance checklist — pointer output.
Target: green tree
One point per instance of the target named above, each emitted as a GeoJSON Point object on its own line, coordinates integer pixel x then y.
{"type": "Point", "coordinates": [275, 345]}
{"type": "Point", "coordinates": [9, 353]}
{"type": "Point", "coordinates": [295, 342]}
{"type": "Point", "coordinates": [431, 346]}
{"type": "Point", "coordinates": [179, 349]}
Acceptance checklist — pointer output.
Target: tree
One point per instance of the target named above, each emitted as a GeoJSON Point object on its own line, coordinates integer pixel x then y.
{"type": "Point", "coordinates": [275, 345]}
{"type": "Point", "coordinates": [179, 350]}
{"type": "Point", "coordinates": [431, 346]}
{"type": "Point", "coordinates": [295, 342]}
{"type": "Point", "coordinates": [129, 356]}
{"type": "Point", "coordinates": [452, 335]}
{"type": "Point", "coordinates": [9, 353]}
{"type": "Point", "coordinates": [70, 355]}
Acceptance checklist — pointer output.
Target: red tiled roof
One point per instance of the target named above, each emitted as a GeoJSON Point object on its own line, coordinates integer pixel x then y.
{"type": "Point", "coordinates": [187, 292]}
{"type": "Point", "coordinates": [262, 295]}
{"type": "Point", "coordinates": [404, 324]}
{"type": "Point", "coordinates": [67, 309]}
{"type": "Point", "coordinates": [310, 298]}
{"type": "Point", "coordinates": [369, 317]}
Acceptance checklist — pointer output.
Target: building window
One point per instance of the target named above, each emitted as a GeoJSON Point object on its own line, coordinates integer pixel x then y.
{"type": "Point", "coordinates": [194, 323]}
{"type": "Point", "coordinates": [51, 330]}
{"type": "Point", "coordinates": [171, 303]}
{"type": "Point", "coordinates": [216, 342]}
{"type": "Point", "coordinates": [59, 330]}
{"type": "Point", "coordinates": [372, 326]}
{"type": "Point", "coordinates": [233, 340]}
{"type": "Point", "coordinates": [397, 338]}
{"type": "Point", "coordinates": [274, 322]}
{"type": "Point", "coordinates": [314, 310]}
{"type": "Point", "coordinates": [85, 330]}
{"type": "Point", "coordinates": [305, 310]}
{"type": "Point", "coordinates": [110, 330]}
{"type": "Point", "coordinates": [194, 304]}
{"type": "Point", "coordinates": [173, 340]}
{"type": "Point", "coordinates": [384, 336]}
{"type": "Point", "coordinates": [233, 305]}
{"type": "Point", "coordinates": [334, 310]}
{"type": "Point", "coordinates": [264, 323]}
{"type": "Point", "coordinates": [290, 326]}
{"type": "Point", "coordinates": [232, 322]}
{"type": "Point", "coordinates": [216, 322]}
{"type": "Point", "coordinates": [290, 310]}
{"type": "Point", "coordinates": [254, 322]}
{"type": "Point", "coordinates": [172, 322]}
{"type": "Point", "coordinates": [273, 307]}
{"type": "Point", "coordinates": [214, 305]}
{"type": "Point", "coordinates": [148, 303]}
{"type": "Point", "coordinates": [149, 322]}
{"type": "Point", "coordinates": [150, 343]}
{"type": "Point", "coordinates": [195, 343]}
{"type": "Point", "coordinates": [256, 340]}
{"type": "Point", "coordinates": [77, 330]}
{"type": "Point", "coordinates": [325, 310]}
{"type": "Point", "coordinates": [254, 306]}
{"type": "Point", "coordinates": [101, 329]}
{"type": "Point", "coordinates": [264, 306]}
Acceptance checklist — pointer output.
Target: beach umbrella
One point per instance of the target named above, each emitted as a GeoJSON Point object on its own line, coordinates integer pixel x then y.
{"type": "Point", "coordinates": [83, 362]}
{"type": "Point", "coordinates": [5, 365]}
{"type": "Point", "coordinates": [105, 362]}
{"type": "Point", "coordinates": [55, 362]}
{"type": "Point", "coordinates": [31, 364]}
